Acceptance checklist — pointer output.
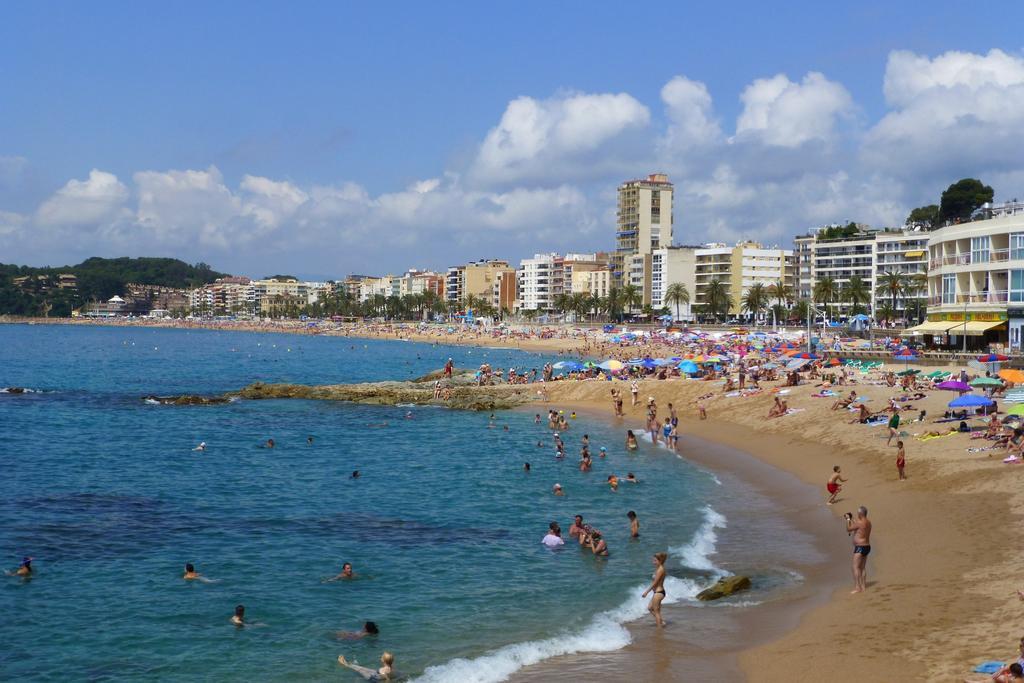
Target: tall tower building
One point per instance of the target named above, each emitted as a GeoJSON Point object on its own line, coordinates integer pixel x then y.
{"type": "Point", "coordinates": [644, 221]}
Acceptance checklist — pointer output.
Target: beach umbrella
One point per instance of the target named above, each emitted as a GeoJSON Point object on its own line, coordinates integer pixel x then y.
{"type": "Point", "coordinates": [688, 367]}
{"type": "Point", "coordinates": [568, 365]}
{"type": "Point", "coordinates": [797, 363]}
{"type": "Point", "coordinates": [908, 372]}
{"type": "Point", "coordinates": [1014, 396]}
{"type": "Point", "coordinates": [807, 356]}
{"type": "Point", "coordinates": [835, 361]}
{"type": "Point", "coordinates": [985, 382]}
{"type": "Point", "coordinates": [1016, 410]}
{"type": "Point", "coordinates": [770, 366]}
{"type": "Point", "coordinates": [970, 401]}
{"type": "Point", "coordinates": [953, 385]}
{"type": "Point", "coordinates": [992, 358]}
{"type": "Point", "coordinates": [1011, 375]}
{"type": "Point", "coordinates": [611, 365]}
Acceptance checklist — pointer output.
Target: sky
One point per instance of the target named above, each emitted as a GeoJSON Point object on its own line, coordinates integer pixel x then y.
{"type": "Point", "coordinates": [326, 138]}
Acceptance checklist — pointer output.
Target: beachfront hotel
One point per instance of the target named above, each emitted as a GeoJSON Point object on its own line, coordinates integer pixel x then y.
{"type": "Point", "coordinates": [976, 280]}
{"type": "Point", "coordinates": [544, 277]}
{"type": "Point", "coordinates": [868, 255]}
{"type": "Point", "coordinates": [670, 265]}
{"type": "Point", "coordinates": [644, 223]}
{"type": "Point", "coordinates": [739, 267]}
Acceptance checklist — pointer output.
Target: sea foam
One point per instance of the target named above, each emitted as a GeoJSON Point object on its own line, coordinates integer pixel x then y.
{"type": "Point", "coordinates": [605, 632]}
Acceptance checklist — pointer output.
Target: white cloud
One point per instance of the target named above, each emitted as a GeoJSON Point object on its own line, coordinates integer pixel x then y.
{"type": "Point", "coordinates": [780, 112]}
{"type": "Point", "coordinates": [957, 114]}
{"type": "Point", "coordinates": [556, 136]}
{"type": "Point", "coordinates": [691, 121]}
{"type": "Point", "coordinates": [84, 202]}
{"type": "Point", "coordinates": [179, 207]}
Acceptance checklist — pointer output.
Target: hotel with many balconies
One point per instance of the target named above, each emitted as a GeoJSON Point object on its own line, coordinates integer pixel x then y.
{"type": "Point", "coordinates": [976, 279]}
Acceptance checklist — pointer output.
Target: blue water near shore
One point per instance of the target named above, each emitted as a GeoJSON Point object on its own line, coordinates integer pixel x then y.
{"type": "Point", "coordinates": [444, 527]}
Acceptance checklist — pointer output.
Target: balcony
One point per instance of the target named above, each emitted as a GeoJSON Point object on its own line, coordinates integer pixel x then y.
{"type": "Point", "coordinates": [966, 259]}
{"type": "Point", "coordinates": [1000, 296]}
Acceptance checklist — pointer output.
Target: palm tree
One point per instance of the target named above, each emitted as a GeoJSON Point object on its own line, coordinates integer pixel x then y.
{"type": "Point", "coordinates": [780, 291]}
{"type": "Point", "coordinates": [894, 284]}
{"type": "Point", "coordinates": [755, 300]}
{"type": "Point", "coordinates": [885, 312]}
{"type": "Point", "coordinates": [613, 302]}
{"type": "Point", "coordinates": [562, 303]}
{"type": "Point", "coordinates": [857, 293]}
{"type": "Point", "coordinates": [675, 294]}
{"type": "Point", "coordinates": [579, 303]}
{"type": "Point", "coordinates": [717, 298]}
{"type": "Point", "coordinates": [800, 309]}
{"type": "Point", "coordinates": [630, 297]}
{"type": "Point", "coordinates": [825, 291]}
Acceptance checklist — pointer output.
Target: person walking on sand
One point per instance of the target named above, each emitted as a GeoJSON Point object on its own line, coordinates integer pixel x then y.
{"type": "Point", "coordinates": [894, 426]}
{"type": "Point", "coordinates": [901, 460]}
{"type": "Point", "coordinates": [860, 528]}
{"type": "Point", "coordinates": [834, 485]}
{"type": "Point", "coordinates": [634, 389]}
{"type": "Point", "coordinates": [657, 587]}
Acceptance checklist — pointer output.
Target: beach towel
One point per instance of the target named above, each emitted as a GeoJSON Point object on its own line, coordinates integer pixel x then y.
{"type": "Point", "coordinates": [988, 667]}
{"type": "Point", "coordinates": [1011, 459]}
{"type": "Point", "coordinates": [794, 410]}
{"type": "Point", "coordinates": [929, 437]}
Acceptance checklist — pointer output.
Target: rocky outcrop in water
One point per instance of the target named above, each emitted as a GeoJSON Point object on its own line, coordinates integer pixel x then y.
{"type": "Point", "coordinates": [725, 587]}
{"type": "Point", "coordinates": [393, 393]}
{"type": "Point", "coordinates": [187, 400]}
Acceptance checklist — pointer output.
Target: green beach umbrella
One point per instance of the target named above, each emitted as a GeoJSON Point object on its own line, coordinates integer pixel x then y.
{"type": "Point", "coordinates": [985, 382]}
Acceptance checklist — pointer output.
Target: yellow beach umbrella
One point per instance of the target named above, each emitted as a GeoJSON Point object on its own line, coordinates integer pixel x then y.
{"type": "Point", "coordinates": [1016, 410]}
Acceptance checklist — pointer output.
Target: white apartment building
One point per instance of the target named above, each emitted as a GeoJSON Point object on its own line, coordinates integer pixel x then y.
{"type": "Point", "coordinates": [541, 279]}
{"type": "Point", "coordinates": [976, 280]}
{"type": "Point", "coordinates": [905, 253]}
{"type": "Point", "coordinates": [670, 265]}
{"type": "Point", "coordinates": [644, 220]}
{"type": "Point", "coordinates": [740, 267]}
{"type": "Point", "coordinates": [386, 286]}
{"type": "Point", "coordinates": [803, 275]}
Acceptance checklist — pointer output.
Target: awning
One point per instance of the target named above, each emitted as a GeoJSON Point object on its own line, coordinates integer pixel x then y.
{"type": "Point", "coordinates": [913, 254]}
{"type": "Point", "coordinates": [933, 327]}
{"type": "Point", "coordinates": [976, 328]}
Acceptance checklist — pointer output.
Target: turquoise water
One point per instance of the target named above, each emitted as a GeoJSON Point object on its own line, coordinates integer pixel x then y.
{"type": "Point", "coordinates": [444, 526]}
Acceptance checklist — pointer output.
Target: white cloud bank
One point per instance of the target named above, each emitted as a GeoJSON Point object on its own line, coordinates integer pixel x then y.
{"type": "Point", "coordinates": [798, 155]}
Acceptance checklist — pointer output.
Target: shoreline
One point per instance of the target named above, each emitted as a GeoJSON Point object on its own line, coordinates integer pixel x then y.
{"type": "Point", "coordinates": [942, 575]}
{"type": "Point", "coordinates": [706, 641]}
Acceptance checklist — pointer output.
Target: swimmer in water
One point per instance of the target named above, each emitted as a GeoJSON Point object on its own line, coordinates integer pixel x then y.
{"type": "Point", "coordinates": [24, 569]}
{"type": "Point", "coordinates": [369, 629]}
{"type": "Point", "coordinates": [631, 478]}
{"type": "Point", "coordinates": [309, 441]}
{"type": "Point", "coordinates": [631, 444]}
{"type": "Point", "coordinates": [239, 617]}
{"type": "Point", "coordinates": [603, 452]}
{"type": "Point", "coordinates": [557, 490]}
{"type": "Point", "coordinates": [526, 467]}
{"type": "Point", "coordinates": [387, 663]}
{"type": "Point", "coordinates": [613, 482]}
{"type": "Point", "coordinates": [408, 415]}
{"type": "Point", "coordinates": [634, 524]}
{"type": "Point", "coordinates": [355, 474]}
{"type": "Point", "coordinates": [200, 447]}
{"type": "Point", "coordinates": [269, 443]}
{"type": "Point", "coordinates": [346, 574]}
{"type": "Point", "coordinates": [192, 575]}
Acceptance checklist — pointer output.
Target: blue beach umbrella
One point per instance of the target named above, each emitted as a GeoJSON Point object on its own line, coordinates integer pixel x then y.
{"type": "Point", "coordinates": [970, 401]}
{"type": "Point", "coordinates": [688, 367]}
{"type": "Point", "coordinates": [570, 365]}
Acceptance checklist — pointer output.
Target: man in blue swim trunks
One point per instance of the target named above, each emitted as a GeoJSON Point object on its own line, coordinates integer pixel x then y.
{"type": "Point", "coordinates": [859, 528]}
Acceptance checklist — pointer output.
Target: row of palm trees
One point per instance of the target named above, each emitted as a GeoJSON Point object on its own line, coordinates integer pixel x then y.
{"type": "Point", "coordinates": [718, 302]}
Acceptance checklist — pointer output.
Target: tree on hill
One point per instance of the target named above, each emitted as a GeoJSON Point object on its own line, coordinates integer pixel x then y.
{"type": "Point", "coordinates": [961, 199]}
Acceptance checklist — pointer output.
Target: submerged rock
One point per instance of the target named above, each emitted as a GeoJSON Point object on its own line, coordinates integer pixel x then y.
{"type": "Point", "coordinates": [186, 400]}
{"type": "Point", "coordinates": [725, 587]}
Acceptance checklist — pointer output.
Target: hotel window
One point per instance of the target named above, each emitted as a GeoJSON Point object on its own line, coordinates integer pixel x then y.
{"type": "Point", "coordinates": [1017, 286]}
{"type": "Point", "coordinates": [948, 289]}
{"type": "Point", "coordinates": [979, 249]}
{"type": "Point", "coordinates": [1016, 245]}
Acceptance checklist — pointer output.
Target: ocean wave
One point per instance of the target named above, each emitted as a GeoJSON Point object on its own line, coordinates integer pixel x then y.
{"type": "Point", "coordinates": [697, 553]}
{"type": "Point", "coordinates": [20, 390]}
{"type": "Point", "coordinates": [606, 631]}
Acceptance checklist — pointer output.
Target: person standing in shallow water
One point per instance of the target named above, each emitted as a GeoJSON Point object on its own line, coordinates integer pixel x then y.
{"type": "Point", "coordinates": [657, 587]}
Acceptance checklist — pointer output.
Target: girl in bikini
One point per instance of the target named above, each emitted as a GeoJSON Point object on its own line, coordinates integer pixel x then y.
{"type": "Point", "coordinates": [657, 587]}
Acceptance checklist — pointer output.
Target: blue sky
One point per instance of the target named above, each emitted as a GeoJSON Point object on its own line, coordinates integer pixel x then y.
{"type": "Point", "coordinates": [324, 138]}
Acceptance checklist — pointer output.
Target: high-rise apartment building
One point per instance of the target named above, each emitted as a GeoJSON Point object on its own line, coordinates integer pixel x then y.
{"type": "Point", "coordinates": [644, 221]}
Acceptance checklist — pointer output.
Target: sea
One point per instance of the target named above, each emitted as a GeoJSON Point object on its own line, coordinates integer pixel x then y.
{"type": "Point", "coordinates": [443, 526]}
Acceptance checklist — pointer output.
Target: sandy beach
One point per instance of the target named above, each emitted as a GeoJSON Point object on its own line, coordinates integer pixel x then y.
{"type": "Point", "coordinates": [942, 574]}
